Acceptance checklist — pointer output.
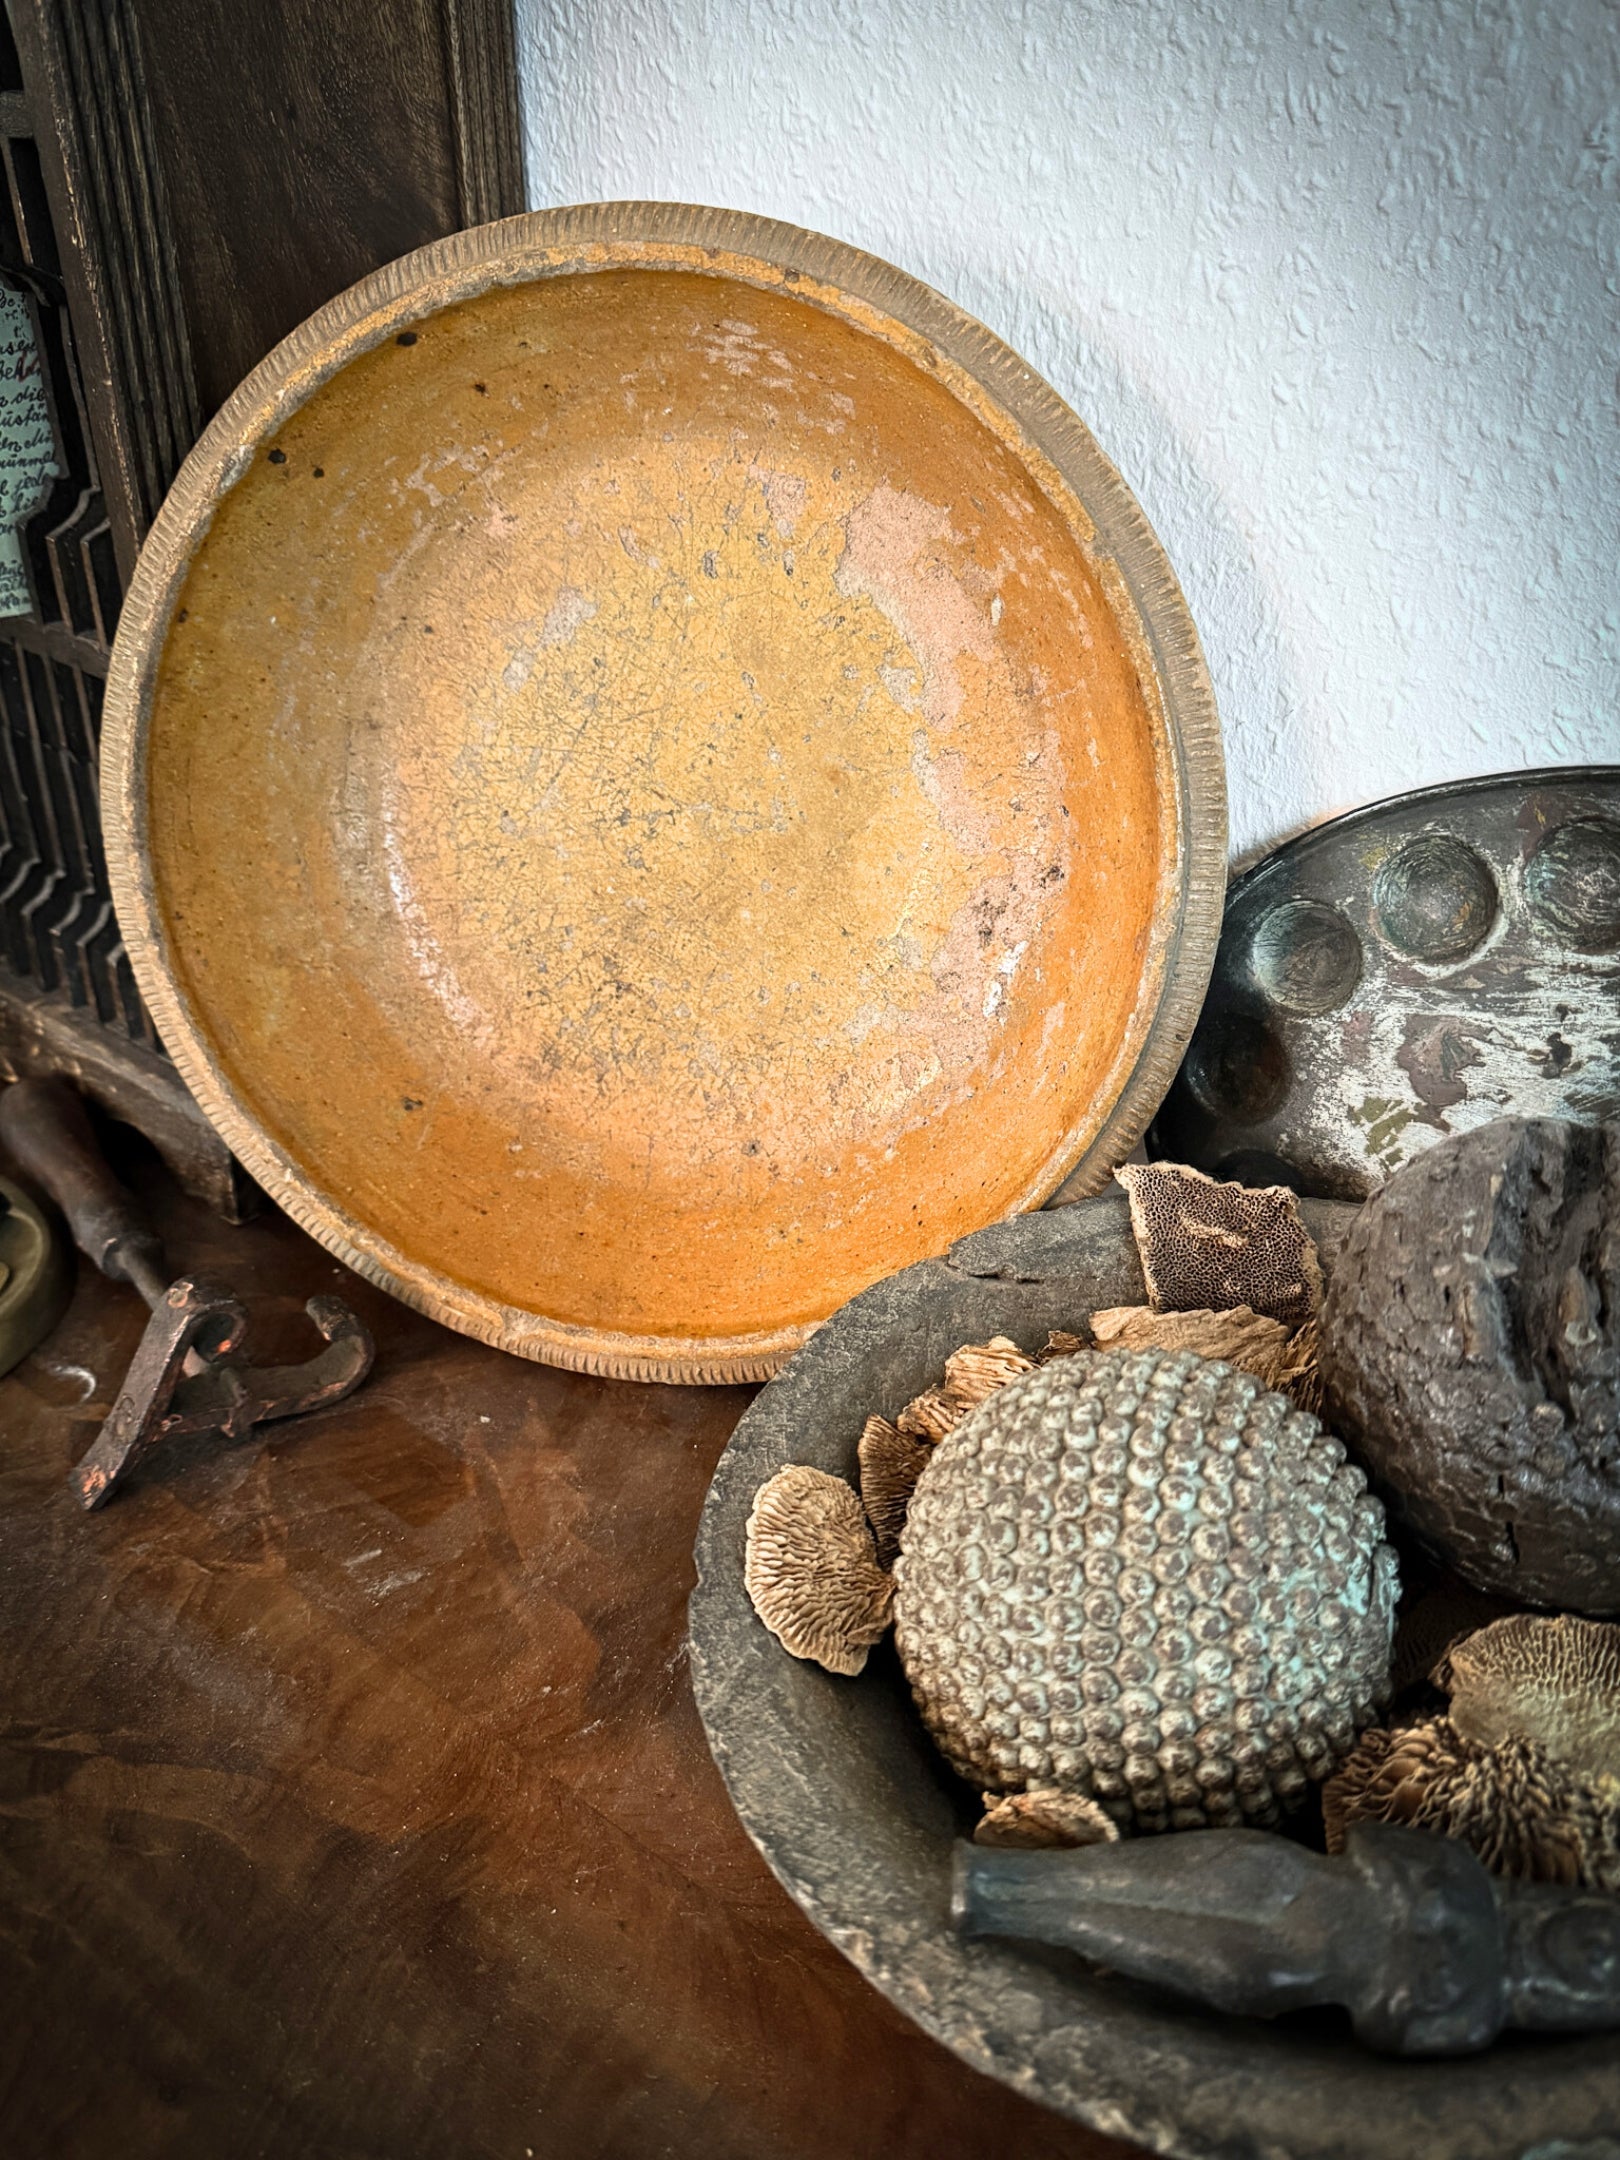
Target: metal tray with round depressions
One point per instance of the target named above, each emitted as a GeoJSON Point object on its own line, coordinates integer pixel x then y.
{"type": "Point", "coordinates": [1409, 971]}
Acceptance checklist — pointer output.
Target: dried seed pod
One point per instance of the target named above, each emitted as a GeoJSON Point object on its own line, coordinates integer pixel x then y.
{"type": "Point", "coordinates": [978, 1369]}
{"type": "Point", "coordinates": [1517, 1807]}
{"type": "Point", "coordinates": [1553, 1681]}
{"type": "Point", "coordinates": [1141, 1577]}
{"type": "Point", "coordinates": [811, 1569]}
{"type": "Point", "coordinates": [1058, 1344]}
{"type": "Point", "coordinates": [933, 1413]}
{"type": "Point", "coordinates": [1047, 1817]}
{"type": "Point", "coordinates": [891, 1463]}
{"type": "Point", "coordinates": [1471, 1352]}
{"type": "Point", "coordinates": [1206, 1247]}
{"type": "Point", "coordinates": [1524, 1769]}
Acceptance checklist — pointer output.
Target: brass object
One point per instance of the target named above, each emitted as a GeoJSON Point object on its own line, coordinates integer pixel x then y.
{"type": "Point", "coordinates": [654, 774]}
{"type": "Point", "coordinates": [36, 1274]}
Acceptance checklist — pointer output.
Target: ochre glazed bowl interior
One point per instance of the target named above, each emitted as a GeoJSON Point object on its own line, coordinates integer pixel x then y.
{"type": "Point", "coordinates": [652, 810]}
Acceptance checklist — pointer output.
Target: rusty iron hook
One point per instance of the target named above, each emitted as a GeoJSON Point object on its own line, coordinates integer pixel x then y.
{"type": "Point", "coordinates": [183, 1379]}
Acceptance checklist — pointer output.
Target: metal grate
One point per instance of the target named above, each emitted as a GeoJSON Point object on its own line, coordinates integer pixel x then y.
{"type": "Point", "coordinates": [57, 927]}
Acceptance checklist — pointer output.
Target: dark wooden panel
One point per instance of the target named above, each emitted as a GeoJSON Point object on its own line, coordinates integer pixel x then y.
{"type": "Point", "coordinates": [481, 60]}
{"type": "Point", "coordinates": [222, 167]}
{"type": "Point", "coordinates": [303, 143]}
{"type": "Point", "coordinates": [353, 1803]}
{"type": "Point", "coordinates": [181, 183]}
{"type": "Point", "coordinates": [83, 68]}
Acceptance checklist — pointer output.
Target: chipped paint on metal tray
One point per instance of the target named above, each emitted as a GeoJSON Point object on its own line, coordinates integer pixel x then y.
{"type": "Point", "coordinates": [1408, 972]}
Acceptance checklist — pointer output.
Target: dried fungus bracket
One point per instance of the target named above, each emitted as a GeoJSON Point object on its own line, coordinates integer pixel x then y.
{"type": "Point", "coordinates": [1242, 1337]}
{"type": "Point", "coordinates": [1253, 1342]}
{"type": "Point", "coordinates": [811, 1569]}
{"type": "Point", "coordinates": [1555, 1681]}
{"type": "Point", "coordinates": [1524, 1768]}
{"type": "Point", "coordinates": [1047, 1818]}
{"type": "Point", "coordinates": [1211, 1247]}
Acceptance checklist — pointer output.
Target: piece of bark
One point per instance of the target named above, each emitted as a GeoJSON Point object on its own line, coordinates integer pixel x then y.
{"type": "Point", "coordinates": [1207, 1247]}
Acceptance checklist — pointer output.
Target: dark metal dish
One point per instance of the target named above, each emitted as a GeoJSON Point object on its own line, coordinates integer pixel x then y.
{"type": "Point", "coordinates": [1410, 971]}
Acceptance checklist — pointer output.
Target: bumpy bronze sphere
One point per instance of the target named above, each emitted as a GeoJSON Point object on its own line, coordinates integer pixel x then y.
{"type": "Point", "coordinates": [1142, 1576]}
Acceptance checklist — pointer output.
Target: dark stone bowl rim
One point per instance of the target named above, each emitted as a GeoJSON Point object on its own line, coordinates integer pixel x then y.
{"type": "Point", "coordinates": [798, 1749]}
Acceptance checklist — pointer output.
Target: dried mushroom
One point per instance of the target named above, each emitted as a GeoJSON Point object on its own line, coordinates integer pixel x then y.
{"type": "Point", "coordinates": [891, 1463]}
{"type": "Point", "coordinates": [1241, 1337]}
{"type": "Point", "coordinates": [1525, 1769]}
{"type": "Point", "coordinates": [1207, 1247]}
{"type": "Point", "coordinates": [971, 1374]}
{"type": "Point", "coordinates": [1299, 1372]}
{"type": "Point", "coordinates": [1553, 1681]}
{"type": "Point", "coordinates": [978, 1369]}
{"type": "Point", "coordinates": [1059, 1343]}
{"type": "Point", "coordinates": [1251, 1341]}
{"type": "Point", "coordinates": [1515, 1806]}
{"type": "Point", "coordinates": [811, 1569]}
{"type": "Point", "coordinates": [1046, 1817]}
{"type": "Point", "coordinates": [933, 1413]}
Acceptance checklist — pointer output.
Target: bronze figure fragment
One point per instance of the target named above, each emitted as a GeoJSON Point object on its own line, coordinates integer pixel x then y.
{"type": "Point", "coordinates": [1427, 1952]}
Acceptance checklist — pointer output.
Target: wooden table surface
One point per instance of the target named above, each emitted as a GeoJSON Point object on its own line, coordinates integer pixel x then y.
{"type": "Point", "coordinates": [353, 1801]}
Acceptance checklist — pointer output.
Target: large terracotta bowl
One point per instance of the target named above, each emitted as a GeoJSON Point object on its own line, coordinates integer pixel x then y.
{"type": "Point", "coordinates": [654, 774]}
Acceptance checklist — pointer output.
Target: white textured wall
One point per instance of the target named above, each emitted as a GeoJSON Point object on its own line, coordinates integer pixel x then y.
{"type": "Point", "coordinates": [1336, 286]}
